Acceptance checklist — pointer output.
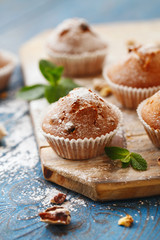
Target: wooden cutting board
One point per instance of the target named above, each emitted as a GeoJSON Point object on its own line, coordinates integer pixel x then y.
{"type": "Point", "coordinates": [98, 178]}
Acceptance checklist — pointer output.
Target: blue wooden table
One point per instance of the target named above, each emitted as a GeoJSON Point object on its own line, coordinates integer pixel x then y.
{"type": "Point", "coordinates": [23, 190]}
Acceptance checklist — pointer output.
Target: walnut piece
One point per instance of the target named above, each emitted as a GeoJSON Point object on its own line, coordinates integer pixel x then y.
{"type": "Point", "coordinates": [56, 215]}
{"type": "Point", "coordinates": [58, 199]}
{"type": "Point", "coordinates": [3, 131]}
{"type": "Point", "coordinates": [105, 92]}
{"type": "Point", "coordinates": [126, 221]}
{"type": "Point", "coordinates": [102, 87]}
{"type": "Point", "coordinates": [99, 83]}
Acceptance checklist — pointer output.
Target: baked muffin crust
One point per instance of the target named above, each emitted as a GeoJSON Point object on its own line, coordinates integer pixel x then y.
{"type": "Point", "coordinates": [140, 70]}
{"type": "Point", "coordinates": [151, 111]}
{"type": "Point", "coordinates": [80, 114]}
{"type": "Point", "coordinates": [75, 36]}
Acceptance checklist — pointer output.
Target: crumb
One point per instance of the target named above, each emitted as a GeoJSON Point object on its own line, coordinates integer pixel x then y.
{"type": "Point", "coordinates": [58, 199]}
{"type": "Point", "coordinates": [126, 221]}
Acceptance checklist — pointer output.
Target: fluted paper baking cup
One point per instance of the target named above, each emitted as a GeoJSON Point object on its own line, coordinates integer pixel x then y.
{"type": "Point", "coordinates": [82, 148]}
{"type": "Point", "coordinates": [128, 96]}
{"type": "Point", "coordinates": [153, 134]}
{"type": "Point", "coordinates": [76, 65]}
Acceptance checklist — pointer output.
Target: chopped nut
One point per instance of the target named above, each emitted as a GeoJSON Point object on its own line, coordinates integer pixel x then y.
{"type": "Point", "coordinates": [3, 131]}
{"type": "Point", "coordinates": [105, 92]}
{"type": "Point", "coordinates": [56, 215]}
{"type": "Point", "coordinates": [158, 160]}
{"type": "Point", "coordinates": [126, 221]}
{"type": "Point", "coordinates": [99, 83]}
{"type": "Point", "coordinates": [101, 86]}
{"type": "Point", "coordinates": [58, 199]}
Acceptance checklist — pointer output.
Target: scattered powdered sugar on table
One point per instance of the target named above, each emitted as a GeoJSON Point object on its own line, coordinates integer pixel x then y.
{"type": "Point", "coordinates": [74, 203]}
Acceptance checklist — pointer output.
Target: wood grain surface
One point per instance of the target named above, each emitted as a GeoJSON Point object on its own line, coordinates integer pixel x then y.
{"type": "Point", "coordinates": [98, 178]}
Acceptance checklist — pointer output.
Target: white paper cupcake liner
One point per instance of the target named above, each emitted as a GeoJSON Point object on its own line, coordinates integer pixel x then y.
{"type": "Point", "coordinates": [128, 96]}
{"type": "Point", "coordinates": [82, 148]}
{"type": "Point", "coordinates": [153, 134]}
{"type": "Point", "coordinates": [77, 65]}
{"type": "Point", "coordinates": [7, 69]}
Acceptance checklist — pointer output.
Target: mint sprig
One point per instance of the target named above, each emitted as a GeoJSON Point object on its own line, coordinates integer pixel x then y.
{"type": "Point", "coordinates": [33, 92]}
{"type": "Point", "coordinates": [56, 88]}
{"type": "Point", "coordinates": [127, 158]}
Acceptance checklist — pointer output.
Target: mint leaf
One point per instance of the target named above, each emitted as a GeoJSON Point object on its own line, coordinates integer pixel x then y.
{"type": "Point", "coordinates": [58, 87]}
{"type": "Point", "coordinates": [137, 162]}
{"type": "Point", "coordinates": [116, 152]}
{"type": "Point", "coordinates": [68, 84]}
{"type": "Point", "coordinates": [125, 165]}
{"type": "Point", "coordinates": [46, 64]}
{"type": "Point", "coordinates": [31, 92]}
{"type": "Point", "coordinates": [51, 72]}
{"type": "Point", "coordinates": [52, 94]}
{"type": "Point", "coordinates": [126, 159]}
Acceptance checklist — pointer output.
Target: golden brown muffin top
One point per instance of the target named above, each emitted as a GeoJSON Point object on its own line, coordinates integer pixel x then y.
{"type": "Point", "coordinates": [140, 70]}
{"type": "Point", "coordinates": [80, 114]}
{"type": "Point", "coordinates": [151, 111]}
{"type": "Point", "coordinates": [75, 36]}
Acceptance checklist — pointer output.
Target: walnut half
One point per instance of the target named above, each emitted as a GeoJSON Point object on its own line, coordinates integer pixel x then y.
{"type": "Point", "coordinates": [56, 215]}
{"type": "Point", "coordinates": [126, 221]}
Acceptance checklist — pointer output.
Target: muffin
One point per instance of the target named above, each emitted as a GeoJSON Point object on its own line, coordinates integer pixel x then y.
{"type": "Point", "coordinates": [137, 77]}
{"type": "Point", "coordinates": [79, 125]}
{"type": "Point", "coordinates": [149, 114]}
{"type": "Point", "coordinates": [8, 61]}
{"type": "Point", "coordinates": [74, 45]}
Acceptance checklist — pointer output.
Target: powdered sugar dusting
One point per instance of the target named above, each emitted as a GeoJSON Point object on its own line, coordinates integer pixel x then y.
{"type": "Point", "coordinates": [83, 93]}
{"type": "Point", "coordinates": [149, 48]}
{"type": "Point", "coordinates": [73, 204]}
{"type": "Point", "coordinates": [75, 36]}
